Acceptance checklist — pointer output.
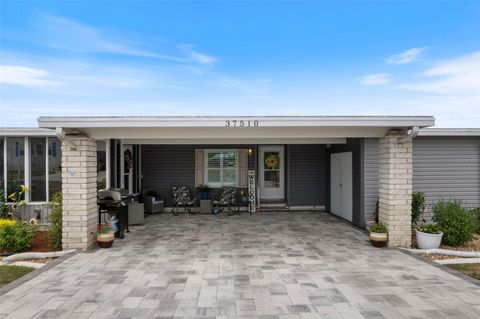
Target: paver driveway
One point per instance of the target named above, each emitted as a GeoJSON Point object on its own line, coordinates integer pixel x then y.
{"type": "Point", "coordinates": [270, 265]}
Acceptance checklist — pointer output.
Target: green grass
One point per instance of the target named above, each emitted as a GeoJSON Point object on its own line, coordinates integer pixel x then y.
{"type": "Point", "coordinates": [472, 270]}
{"type": "Point", "coordinates": [11, 273]}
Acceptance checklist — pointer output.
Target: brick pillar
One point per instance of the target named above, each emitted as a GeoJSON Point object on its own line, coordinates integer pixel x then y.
{"type": "Point", "coordinates": [79, 188]}
{"type": "Point", "coordinates": [395, 187]}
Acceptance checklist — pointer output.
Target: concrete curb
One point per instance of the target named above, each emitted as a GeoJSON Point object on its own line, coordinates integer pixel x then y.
{"type": "Point", "coordinates": [444, 268]}
{"type": "Point", "coordinates": [35, 273]}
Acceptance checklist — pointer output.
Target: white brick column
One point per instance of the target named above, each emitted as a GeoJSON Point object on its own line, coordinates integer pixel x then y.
{"type": "Point", "coordinates": [395, 187]}
{"type": "Point", "coordinates": [79, 188]}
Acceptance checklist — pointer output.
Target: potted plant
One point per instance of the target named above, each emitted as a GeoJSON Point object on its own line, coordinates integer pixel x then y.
{"type": "Point", "coordinates": [243, 197]}
{"type": "Point", "coordinates": [429, 236]}
{"type": "Point", "coordinates": [378, 235]}
{"type": "Point", "coordinates": [203, 191]}
{"type": "Point", "coordinates": [105, 235]}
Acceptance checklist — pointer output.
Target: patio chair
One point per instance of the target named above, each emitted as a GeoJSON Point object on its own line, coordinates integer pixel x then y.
{"type": "Point", "coordinates": [182, 198]}
{"type": "Point", "coordinates": [154, 202]}
{"type": "Point", "coordinates": [228, 198]}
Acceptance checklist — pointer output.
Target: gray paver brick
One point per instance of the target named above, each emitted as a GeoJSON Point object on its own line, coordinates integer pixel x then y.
{"type": "Point", "coordinates": [285, 265]}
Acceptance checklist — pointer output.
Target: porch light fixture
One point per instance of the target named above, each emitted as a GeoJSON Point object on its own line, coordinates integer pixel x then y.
{"type": "Point", "coordinates": [250, 152]}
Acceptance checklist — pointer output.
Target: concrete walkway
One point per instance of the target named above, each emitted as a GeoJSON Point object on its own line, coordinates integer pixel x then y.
{"type": "Point", "coordinates": [270, 265]}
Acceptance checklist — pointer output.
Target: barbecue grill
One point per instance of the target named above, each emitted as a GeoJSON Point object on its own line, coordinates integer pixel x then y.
{"type": "Point", "coordinates": [114, 201]}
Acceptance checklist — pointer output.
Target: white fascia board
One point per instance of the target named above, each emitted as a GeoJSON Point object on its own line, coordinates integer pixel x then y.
{"type": "Point", "coordinates": [223, 133]}
{"type": "Point", "coordinates": [449, 132]}
{"type": "Point", "coordinates": [80, 122]}
{"type": "Point", "coordinates": [11, 131]}
{"type": "Point", "coordinates": [232, 141]}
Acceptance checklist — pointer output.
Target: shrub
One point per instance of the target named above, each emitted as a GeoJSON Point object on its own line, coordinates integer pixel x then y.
{"type": "Point", "coordinates": [4, 222]}
{"type": "Point", "coordinates": [418, 204]}
{"type": "Point", "coordinates": [54, 231]}
{"type": "Point", "coordinates": [16, 237]}
{"type": "Point", "coordinates": [476, 214]}
{"type": "Point", "coordinates": [456, 223]}
{"type": "Point", "coordinates": [429, 229]}
{"type": "Point", "coordinates": [378, 228]}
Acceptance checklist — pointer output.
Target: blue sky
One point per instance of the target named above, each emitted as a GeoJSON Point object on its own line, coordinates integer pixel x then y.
{"type": "Point", "coordinates": [245, 58]}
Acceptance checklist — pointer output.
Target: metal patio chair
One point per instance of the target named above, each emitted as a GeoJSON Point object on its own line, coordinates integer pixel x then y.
{"type": "Point", "coordinates": [182, 198]}
{"type": "Point", "coordinates": [228, 198]}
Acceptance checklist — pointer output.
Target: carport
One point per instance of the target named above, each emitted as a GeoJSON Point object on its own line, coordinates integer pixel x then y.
{"type": "Point", "coordinates": [287, 155]}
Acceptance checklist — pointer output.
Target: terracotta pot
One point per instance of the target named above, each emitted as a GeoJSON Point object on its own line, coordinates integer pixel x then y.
{"type": "Point", "coordinates": [105, 240]}
{"type": "Point", "coordinates": [378, 239]}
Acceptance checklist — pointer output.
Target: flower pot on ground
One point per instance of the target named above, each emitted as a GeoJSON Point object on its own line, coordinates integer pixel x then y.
{"type": "Point", "coordinates": [105, 236]}
{"type": "Point", "coordinates": [204, 191]}
{"type": "Point", "coordinates": [378, 235]}
{"type": "Point", "coordinates": [428, 236]}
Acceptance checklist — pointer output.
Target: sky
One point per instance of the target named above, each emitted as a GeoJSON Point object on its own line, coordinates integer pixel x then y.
{"type": "Point", "coordinates": [240, 58]}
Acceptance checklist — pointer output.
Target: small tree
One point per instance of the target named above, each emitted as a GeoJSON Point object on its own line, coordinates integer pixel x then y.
{"type": "Point", "coordinates": [418, 205]}
{"type": "Point", "coordinates": [55, 218]}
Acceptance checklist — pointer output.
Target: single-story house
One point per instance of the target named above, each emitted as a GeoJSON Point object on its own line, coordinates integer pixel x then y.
{"type": "Point", "coordinates": [344, 164]}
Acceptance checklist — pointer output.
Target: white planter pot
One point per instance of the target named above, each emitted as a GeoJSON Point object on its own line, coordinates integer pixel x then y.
{"type": "Point", "coordinates": [428, 241]}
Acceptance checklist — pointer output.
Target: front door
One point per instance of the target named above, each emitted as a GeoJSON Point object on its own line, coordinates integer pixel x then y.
{"type": "Point", "coordinates": [271, 169]}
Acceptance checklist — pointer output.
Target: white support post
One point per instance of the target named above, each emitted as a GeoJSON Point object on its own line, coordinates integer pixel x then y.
{"type": "Point", "coordinates": [122, 166]}
{"type": "Point", "coordinates": [107, 163]}
{"type": "Point", "coordinates": [139, 165]}
{"type": "Point", "coordinates": [47, 192]}
{"type": "Point", "coordinates": [26, 167]}
{"type": "Point", "coordinates": [5, 182]}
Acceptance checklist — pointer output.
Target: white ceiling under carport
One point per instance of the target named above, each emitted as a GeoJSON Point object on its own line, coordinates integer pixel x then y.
{"type": "Point", "coordinates": [228, 129]}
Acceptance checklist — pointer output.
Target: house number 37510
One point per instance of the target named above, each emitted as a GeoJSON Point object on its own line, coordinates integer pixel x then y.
{"type": "Point", "coordinates": [241, 123]}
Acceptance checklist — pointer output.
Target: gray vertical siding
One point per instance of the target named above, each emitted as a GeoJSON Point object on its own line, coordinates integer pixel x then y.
{"type": "Point", "coordinates": [447, 168]}
{"type": "Point", "coordinates": [355, 146]}
{"type": "Point", "coordinates": [306, 175]}
{"type": "Point", "coordinates": [165, 166]}
{"type": "Point", "coordinates": [370, 177]}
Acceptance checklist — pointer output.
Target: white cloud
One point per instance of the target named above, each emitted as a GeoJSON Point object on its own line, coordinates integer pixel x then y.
{"type": "Point", "coordinates": [197, 56]}
{"type": "Point", "coordinates": [409, 56]}
{"type": "Point", "coordinates": [376, 79]}
{"type": "Point", "coordinates": [24, 76]}
{"type": "Point", "coordinates": [71, 35]}
{"type": "Point", "coordinates": [460, 75]}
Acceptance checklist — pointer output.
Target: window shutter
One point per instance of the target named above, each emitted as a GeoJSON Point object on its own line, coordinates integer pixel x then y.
{"type": "Point", "coordinates": [242, 167]}
{"type": "Point", "coordinates": [199, 167]}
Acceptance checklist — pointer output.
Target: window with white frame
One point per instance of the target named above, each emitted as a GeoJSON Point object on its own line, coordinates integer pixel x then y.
{"type": "Point", "coordinates": [221, 168]}
{"type": "Point", "coordinates": [31, 161]}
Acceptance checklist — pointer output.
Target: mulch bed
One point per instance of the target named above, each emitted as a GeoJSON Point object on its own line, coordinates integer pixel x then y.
{"type": "Point", "coordinates": [40, 243]}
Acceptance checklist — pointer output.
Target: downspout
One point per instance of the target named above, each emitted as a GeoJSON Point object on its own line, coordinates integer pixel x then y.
{"type": "Point", "coordinates": [60, 133]}
{"type": "Point", "coordinates": [411, 134]}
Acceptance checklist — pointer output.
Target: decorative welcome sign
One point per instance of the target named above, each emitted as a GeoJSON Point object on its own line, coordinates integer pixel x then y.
{"type": "Point", "coordinates": [251, 190]}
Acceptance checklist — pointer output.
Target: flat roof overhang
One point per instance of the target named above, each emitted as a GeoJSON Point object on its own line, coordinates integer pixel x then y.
{"type": "Point", "coordinates": [233, 129]}
{"type": "Point", "coordinates": [24, 131]}
{"type": "Point", "coordinates": [450, 132]}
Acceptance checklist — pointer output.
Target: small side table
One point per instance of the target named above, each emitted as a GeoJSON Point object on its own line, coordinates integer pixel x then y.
{"type": "Point", "coordinates": [205, 206]}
